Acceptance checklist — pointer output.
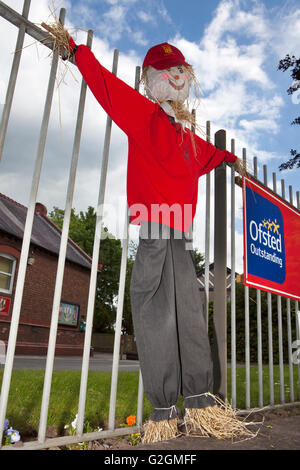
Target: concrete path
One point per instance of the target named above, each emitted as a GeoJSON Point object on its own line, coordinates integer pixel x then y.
{"type": "Point", "coordinates": [279, 429]}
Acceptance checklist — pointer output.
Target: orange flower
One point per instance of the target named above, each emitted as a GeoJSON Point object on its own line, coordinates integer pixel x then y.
{"type": "Point", "coordinates": [130, 420]}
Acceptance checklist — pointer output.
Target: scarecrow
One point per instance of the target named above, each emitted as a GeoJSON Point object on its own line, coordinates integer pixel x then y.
{"type": "Point", "coordinates": [165, 160]}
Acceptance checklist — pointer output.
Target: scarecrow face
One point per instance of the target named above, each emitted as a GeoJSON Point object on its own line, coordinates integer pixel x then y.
{"type": "Point", "coordinates": [170, 84]}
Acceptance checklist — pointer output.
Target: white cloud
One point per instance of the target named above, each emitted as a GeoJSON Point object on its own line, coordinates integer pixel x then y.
{"type": "Point", "coordinates": [2, 92]}
{"type": "Point", "coordinates": [145, 17]}
{"type": "Point", "coordinates": [25, 120]}
{"type": "Point", "coordinates": [139, 38]}
{"type": "Point", "coordinates": [215, 62]}
{"type": "Point", "coordinates": [114, 23]}
{"type": "Point", "coordinates": [231, 63]}
{"type": "Point", "coordinates": [285, 35]}
{"type": "Point", "coordinates": [162, 12]}
{"type": "Point", "coordinates": [230, 17]}
{"type": "Point", "coordinates": [116, 13]}
{"type": "Point", "coordinates": [257, 125]}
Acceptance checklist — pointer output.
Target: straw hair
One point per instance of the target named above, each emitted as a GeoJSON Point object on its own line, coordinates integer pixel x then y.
{"type": "Point", "coordinates": [182, 113]}
{"type": "Point", "coordinates": [156, 431]}
{"type": "Point", "coordinates": [219, 421]}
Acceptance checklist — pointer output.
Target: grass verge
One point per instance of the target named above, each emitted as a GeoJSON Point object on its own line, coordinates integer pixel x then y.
{"type": "Point", "coordinates": [25, 397]}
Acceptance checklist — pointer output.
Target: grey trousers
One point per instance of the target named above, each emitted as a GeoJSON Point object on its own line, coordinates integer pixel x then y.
{"type": "Point", "coordinates": [169, 324]}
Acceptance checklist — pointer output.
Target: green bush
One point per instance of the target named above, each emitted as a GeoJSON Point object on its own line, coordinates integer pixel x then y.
{"type": "Point", "coordinates": [240, 326]}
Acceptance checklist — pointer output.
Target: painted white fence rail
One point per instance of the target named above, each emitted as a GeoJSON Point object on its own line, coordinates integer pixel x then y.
{"type": "Point", "coordinates": [7, 357]}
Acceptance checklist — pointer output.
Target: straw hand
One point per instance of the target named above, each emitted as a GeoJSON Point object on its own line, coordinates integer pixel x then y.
{"type": "Point", "coordinates": [61, 39]}
{"type": "Point", "coordinates": [240, 166]}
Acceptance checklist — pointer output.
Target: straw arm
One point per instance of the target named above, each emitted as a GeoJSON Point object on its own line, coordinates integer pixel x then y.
{"type": "Point", "coordinates": [32, 30]}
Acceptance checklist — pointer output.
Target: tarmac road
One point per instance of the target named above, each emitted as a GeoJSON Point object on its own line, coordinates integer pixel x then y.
{"type": "Point", "coordinates": [99, 362]}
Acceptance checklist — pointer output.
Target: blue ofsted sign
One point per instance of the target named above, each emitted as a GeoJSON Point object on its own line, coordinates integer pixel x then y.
{"type": "Point", "coordinates": [265, 238]}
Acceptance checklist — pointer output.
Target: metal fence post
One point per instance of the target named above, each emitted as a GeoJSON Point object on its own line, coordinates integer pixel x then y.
{"type": "Point", "coordinates": [27, 239]}
{"type": "Point", "coordinates": [94, 271]}
{"type": "Point", "coordinates": [207, 237]}
{"type": "Point", "coordinates": [297, 306]}
{"type": "Point", "coordinates": [289, 329]}
{"type": "Point", "coordinates": [13, 77]}
{"type": "Point", "coordinates": [119, 316]}
{"type": "Point", "coordinates": [259, 326]}
{"type": "Point", "coordinates": [270, 328]}
{"type": "Point", "coordinates": [61, 260]}
{"type": "Point", "coordinates": [220, 263]}
{"type": "Point", "coordinates": [140, 400]}
{"type": "Point", "coordinates": [247, 332]}
{"type": "Point", "coordinates": [118, 326]}
{"type": "Point", "coordinates": [280, 339]}
{"type": "Point", "coordinates": [232, 289]}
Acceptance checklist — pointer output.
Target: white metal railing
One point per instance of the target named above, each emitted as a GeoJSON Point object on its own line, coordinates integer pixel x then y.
{"type": "Point", "coordinates": [25, 26]}
{"type": "Point", "coordinates": [259, 322]}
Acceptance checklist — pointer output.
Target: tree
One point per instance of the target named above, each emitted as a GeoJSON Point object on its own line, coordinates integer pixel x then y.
{"type": "Point", "coordinates": [82, 228]}
{"type": "Point", "coordinates": [198, 259]}
{"type": "Point", "coordinates": [240, 326]}
{"type": "Point", "coordinates": [285, 64]}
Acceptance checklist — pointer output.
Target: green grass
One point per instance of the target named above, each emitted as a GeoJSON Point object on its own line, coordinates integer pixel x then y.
{"type": "Point", "coordinates": [254, 398]}
{"type": "Point", "coordinates": [24, 402]}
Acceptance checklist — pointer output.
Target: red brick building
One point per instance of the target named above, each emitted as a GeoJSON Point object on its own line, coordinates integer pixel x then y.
{"type": "Point", "coordinates": [36, 310]}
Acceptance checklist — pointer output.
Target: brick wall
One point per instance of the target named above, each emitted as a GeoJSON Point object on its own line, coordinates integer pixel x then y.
{"type": "Point", "coordinates": [37, 301]}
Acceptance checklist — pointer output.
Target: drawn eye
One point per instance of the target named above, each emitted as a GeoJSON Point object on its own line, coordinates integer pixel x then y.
{"type": "Point", "coordinates": [180, 69]}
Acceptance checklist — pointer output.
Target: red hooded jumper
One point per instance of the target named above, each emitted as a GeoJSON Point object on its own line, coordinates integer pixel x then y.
{"type": "Point", "coordinates": [164, 162]}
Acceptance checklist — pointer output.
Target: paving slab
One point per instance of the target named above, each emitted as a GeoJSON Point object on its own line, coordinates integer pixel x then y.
{"type": "Point", "coordinates": [279, 429]}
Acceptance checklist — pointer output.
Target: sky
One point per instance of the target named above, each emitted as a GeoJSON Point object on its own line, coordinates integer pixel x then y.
{"type": "Point", "coordinates": [234, 46]}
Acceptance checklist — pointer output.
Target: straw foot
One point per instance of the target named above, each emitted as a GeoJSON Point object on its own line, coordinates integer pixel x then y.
{"type": "Point", "coordinates": [217, 421]}
{"type": "Point", "coordinates": [156, 431]}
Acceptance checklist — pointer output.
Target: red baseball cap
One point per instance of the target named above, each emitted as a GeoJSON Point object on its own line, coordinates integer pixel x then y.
{"type": "Point", "coordinates": [163, 56]}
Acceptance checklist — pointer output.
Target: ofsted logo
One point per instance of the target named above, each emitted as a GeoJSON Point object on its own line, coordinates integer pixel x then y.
{"type": "Point", "coordinates": [265, 238]}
